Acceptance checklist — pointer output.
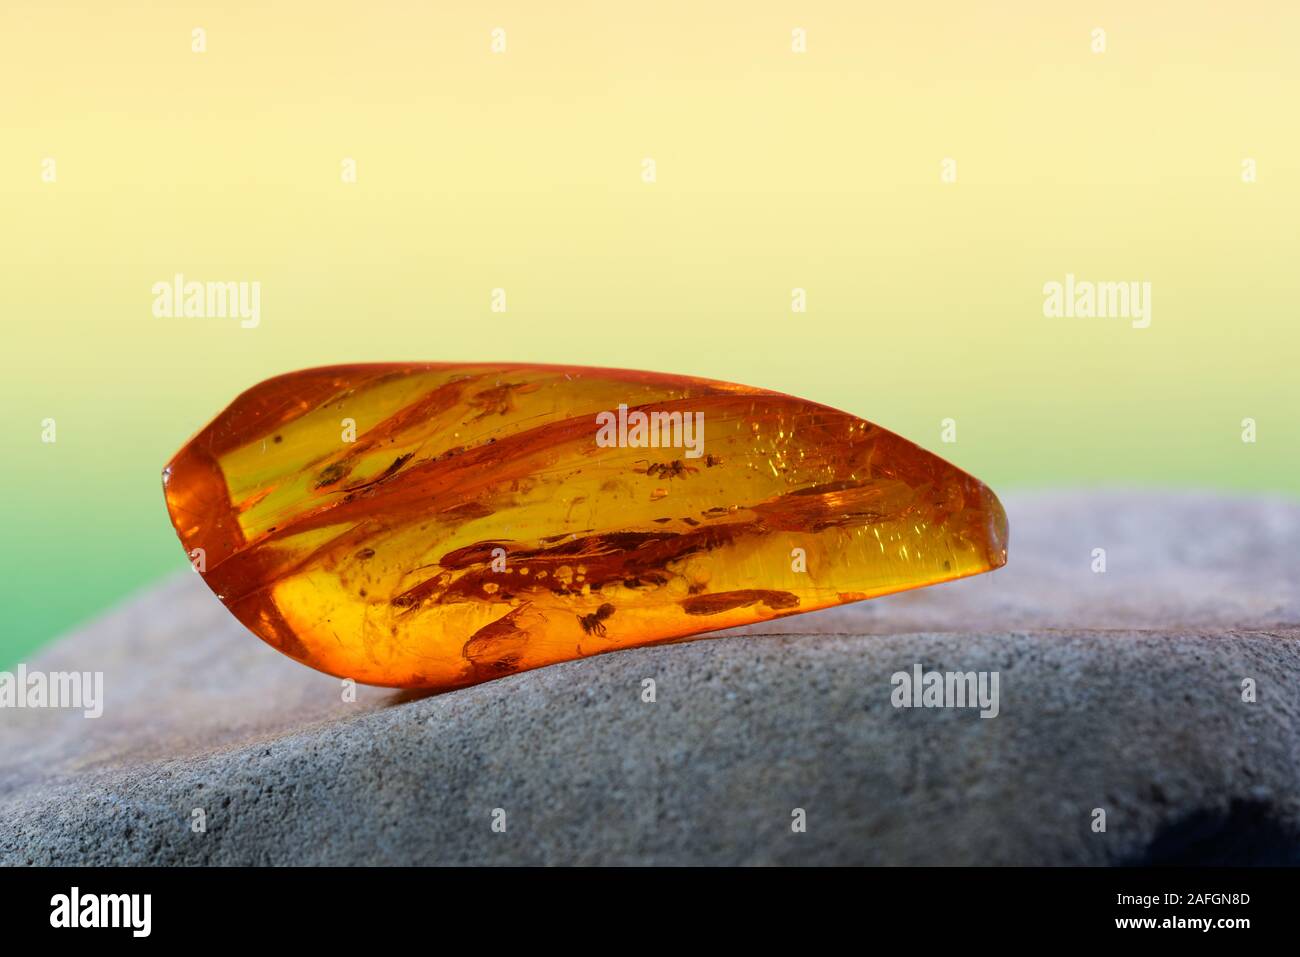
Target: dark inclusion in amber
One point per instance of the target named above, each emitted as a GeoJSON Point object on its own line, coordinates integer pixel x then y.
{"type": "Point", "coordinates": [434, 525]}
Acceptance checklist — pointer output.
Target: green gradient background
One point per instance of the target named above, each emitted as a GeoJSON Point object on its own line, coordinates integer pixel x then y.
{"type": "Point", "coordinates": [522, 171]}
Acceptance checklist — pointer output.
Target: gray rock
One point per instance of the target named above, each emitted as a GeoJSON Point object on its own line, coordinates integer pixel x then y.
{"type": "Point", "coordinates": [1119, 691]}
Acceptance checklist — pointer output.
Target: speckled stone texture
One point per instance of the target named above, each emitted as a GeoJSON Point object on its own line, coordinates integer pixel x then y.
{"type": "Point", "coordinates": [1120, 691]}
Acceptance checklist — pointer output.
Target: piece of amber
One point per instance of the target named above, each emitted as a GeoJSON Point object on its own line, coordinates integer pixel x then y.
{"type": "Point", "coordinates": [434, 525]}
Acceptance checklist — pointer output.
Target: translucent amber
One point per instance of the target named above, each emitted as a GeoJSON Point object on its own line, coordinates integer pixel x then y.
{"type": "Point", "coordinates": [433, 526]}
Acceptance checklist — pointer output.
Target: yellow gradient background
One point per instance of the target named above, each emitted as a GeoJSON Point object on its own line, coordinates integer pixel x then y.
{"type": "Point", "coordinates": [522, 170]}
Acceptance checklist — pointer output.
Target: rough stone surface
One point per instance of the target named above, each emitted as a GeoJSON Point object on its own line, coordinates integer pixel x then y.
{"type": "Point", "coordinates": [1120, 691]}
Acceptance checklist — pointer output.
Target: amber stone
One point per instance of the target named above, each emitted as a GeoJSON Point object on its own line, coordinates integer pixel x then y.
{"type": "Point", "coordinates": [435, 525]}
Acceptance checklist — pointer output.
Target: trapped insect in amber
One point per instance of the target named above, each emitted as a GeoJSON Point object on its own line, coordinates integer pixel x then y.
{"type": "Point", "coordinates": [435, 525]}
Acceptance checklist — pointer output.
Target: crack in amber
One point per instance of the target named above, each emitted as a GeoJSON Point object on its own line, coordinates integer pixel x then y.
{"type": "Point", "coordinates": [436, 525]}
